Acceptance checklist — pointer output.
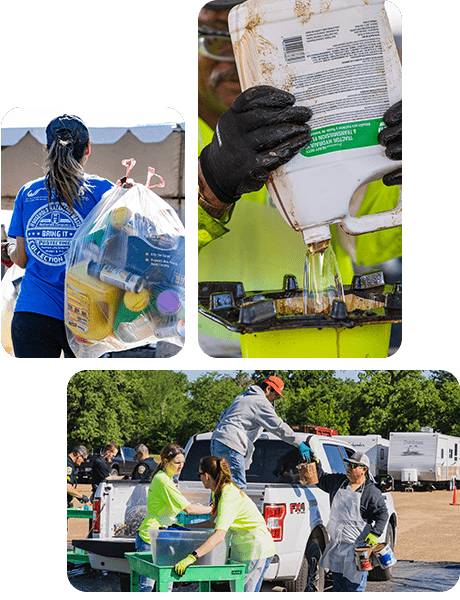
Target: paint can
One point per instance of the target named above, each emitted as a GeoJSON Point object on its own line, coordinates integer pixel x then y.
{"type": "Point", "coordinates": [307, 472]}
{"type": "Point", "coordinates": [363, 559]}
{"type": "Point", "coordinates": [383, 556]}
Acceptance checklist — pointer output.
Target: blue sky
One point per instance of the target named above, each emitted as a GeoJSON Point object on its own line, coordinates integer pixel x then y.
{"type": "Point", "coordinates": [192, 375]}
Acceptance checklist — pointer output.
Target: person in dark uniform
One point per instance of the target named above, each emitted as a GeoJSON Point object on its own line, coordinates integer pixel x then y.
{"type": "Point", "coordinates": [146, 465]}
{"type": "Point", "coordinates": [101, 469]}
{"type": "Point", "coordinates": [74, 460]}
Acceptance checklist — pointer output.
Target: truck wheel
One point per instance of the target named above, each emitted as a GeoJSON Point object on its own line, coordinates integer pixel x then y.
{"type": "Point", "coordinates": [114, 472]}
{"type": "Point", "coordinates": [377, 573]}
{"type": "Point", "coordinates": [311, 575]}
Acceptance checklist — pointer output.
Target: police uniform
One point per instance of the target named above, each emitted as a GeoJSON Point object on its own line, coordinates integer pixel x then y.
{"type": "Point", "coordinates": [144, 470]}
{"type": "Point", "coordinates": [71, 477]}
{"type": "Point", "coordinates": [101, 471]}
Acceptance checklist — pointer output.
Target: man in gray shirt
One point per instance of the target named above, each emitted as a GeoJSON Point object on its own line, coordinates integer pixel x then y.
{"type": "Point", "coordinates": [243, 421]}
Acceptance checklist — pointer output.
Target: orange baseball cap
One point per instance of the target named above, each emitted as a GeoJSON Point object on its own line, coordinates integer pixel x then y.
{"type": "Point", "coordinates": [276, 383]}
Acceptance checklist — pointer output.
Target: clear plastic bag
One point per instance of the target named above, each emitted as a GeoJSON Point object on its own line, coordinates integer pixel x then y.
{"type": "Point", "coordinates": [125, 273]}
{"type": "Point", "coordinates": [11, 286]}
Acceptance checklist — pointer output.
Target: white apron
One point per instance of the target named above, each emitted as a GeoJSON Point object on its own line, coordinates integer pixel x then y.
{"type": "Point", "coordinates": [347, 530]}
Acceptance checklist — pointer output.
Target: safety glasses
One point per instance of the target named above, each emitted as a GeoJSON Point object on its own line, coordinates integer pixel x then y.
{"type": "Point", "coordinates": [215, 44]}
{"type": "Point", "coordinates": [175, 452]}
{"type": "Point", "coordinates": [199, 474]}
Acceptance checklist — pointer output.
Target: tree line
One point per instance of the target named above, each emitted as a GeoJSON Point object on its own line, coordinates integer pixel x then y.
{"type": "Point", "coordinates": [160, 407]}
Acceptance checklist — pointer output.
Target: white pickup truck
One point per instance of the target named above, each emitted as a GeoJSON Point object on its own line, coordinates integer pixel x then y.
{"type": "Point", "coordinates": [296, 515]}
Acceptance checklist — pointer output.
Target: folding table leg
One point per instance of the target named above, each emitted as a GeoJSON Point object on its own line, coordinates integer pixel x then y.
{"type": "Point", "coordinates": [205, 586]}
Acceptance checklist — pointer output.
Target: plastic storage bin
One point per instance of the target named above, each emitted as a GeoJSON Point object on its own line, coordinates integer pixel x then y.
{"type": "Point", "coordinates": [169, 546]}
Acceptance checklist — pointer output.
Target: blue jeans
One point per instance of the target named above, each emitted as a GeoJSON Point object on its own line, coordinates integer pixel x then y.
{"type": "Point", "coordinates": [342, 584]}
{"type": "Point", "coordinates": [145, 583]}
{"type": "Point", "coordinates": [235, 462]}
{"type": "Point", "coordinates": [261, 580]}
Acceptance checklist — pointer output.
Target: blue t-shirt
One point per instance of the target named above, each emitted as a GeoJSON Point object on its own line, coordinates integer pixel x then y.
{"type": "Point", "coordinates": [48, 230]}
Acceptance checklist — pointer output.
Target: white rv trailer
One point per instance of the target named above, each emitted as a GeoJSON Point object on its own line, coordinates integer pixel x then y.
{"type": "Point", "coordinates": [375, 447]}
{"type": "Point", "coordinates": [424, 456]}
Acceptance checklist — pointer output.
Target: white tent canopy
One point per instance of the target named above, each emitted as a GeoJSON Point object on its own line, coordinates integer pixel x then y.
{"type": "Point", "coordinates": [161, 146]}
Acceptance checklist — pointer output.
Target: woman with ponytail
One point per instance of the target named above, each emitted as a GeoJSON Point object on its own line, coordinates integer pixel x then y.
{"type": "Point", "coordinates": [47, 213]}
{"type": "Point", "coordinates": [237, 516]}
{"type": "Point", "coordinates": [164, 502]}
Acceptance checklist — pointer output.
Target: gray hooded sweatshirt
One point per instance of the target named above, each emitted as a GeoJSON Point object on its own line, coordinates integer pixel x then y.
{"type": "Point", "coordinates": [243, 421]}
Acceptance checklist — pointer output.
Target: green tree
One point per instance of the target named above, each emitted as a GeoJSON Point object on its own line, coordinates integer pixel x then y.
{"type": "Point", "coordinates": [210, 394]}
{"type": "Point", "coordinates": [100, 408]}
{"type": "Point", "coordinates": [161, 408]}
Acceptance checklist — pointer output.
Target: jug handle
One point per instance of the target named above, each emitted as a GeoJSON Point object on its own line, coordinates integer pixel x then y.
{"type": "Point", "coordinates": [369, 223]}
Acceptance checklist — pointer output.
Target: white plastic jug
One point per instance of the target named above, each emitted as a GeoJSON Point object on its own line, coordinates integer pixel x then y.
{"type": "Point", "coordinates": [339, 58]}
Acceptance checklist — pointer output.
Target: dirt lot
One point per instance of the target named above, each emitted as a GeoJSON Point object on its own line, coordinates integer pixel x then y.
{"type": "Point", "coordinates": [428, 526]}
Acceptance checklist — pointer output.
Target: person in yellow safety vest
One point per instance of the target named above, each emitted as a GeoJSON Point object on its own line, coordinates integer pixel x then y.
{"type": "Point", "coordinates": [238, 520]}
{"type": "Point", "coordinates": [250, 239]}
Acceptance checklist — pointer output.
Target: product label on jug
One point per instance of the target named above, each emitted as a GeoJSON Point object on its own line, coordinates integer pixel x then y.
{"type": "Point", "coordinates": [78, 309]}
{"type": "Point", "coordinates": [343, 82]}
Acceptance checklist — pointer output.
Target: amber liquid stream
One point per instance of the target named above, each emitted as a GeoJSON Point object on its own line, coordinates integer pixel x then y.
{"type": "Point", "coordinates": [322, 282]}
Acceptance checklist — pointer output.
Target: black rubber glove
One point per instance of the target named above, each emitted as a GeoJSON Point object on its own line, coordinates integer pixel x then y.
{"type": "Point", "coordinates": [391, 138]}
{"type": "Point", "coordinates": [84, 499]}
{"type": "Point", "coordinates": [259, 133]}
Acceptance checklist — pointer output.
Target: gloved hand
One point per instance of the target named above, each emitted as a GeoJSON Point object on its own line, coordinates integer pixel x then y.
{"type": "Point", "coordinates": [391, 138]}
{"type": "Point", "coordinates": [371, 539]}
{"type": "Point", "coordinates": [182, 565]}
{"type": "Point", "coordinates": [84, 499]}
{"type": "Point", "coordinates": [259, 133]}
{"type": "Point", "coordinates": [314, 457]}
{"type": "Point", "coordinates": [305, 451]}
{"type": "Point", "coordinates": [6, 260]}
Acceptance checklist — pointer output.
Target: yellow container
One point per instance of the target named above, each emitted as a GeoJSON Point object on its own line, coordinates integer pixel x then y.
{"type": "Point", "coordinates": [363, 341]}
{"type": "Point", "coordinates": [91, 305]}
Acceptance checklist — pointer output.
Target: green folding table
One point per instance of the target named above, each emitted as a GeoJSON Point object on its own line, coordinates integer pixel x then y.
{"type": "Point", "coordinates": [140, 563]}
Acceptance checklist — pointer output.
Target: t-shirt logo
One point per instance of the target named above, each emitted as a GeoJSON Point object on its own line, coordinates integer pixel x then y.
{"type": "Point", "coordinates": [49, 232]}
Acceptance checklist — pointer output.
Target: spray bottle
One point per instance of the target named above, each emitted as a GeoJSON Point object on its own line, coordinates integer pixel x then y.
{"type": "Point", "coordinates": [339, 58]}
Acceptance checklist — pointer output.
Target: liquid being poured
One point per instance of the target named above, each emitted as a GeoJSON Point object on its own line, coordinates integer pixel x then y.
{"type": "Point", "coordinates": [322, 282]}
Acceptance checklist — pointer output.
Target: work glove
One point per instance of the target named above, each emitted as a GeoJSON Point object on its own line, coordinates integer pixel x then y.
{"type": "Point", "coordinates": [6, 260]}
{"type": "Point", "coordinates": [182, 565]}
{"type": "Point", "coordinates": [314, 457]}
{"type": "Point", "coordinates": [371, 539]}
{"type": "Point", "coordinates": [84, 499]}
{"type": "Point", "coordinates": [259, 133]}
{"type": "Point", "coordinates": [305, 451]}
{"type": "Point", "coordinates": [391, 138]}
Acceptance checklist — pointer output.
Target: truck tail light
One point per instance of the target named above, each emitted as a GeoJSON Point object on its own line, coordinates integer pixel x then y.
{"type": "Point", "coordinates": [97, 515]}
{"type": "Point", "coordinates": [274, 517]}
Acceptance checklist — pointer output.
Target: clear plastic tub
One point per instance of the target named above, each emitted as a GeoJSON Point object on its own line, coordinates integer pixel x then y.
{"type": "Point", "coordinates": [169, 546]}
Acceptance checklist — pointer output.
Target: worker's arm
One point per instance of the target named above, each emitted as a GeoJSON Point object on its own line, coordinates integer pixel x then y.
{"type": "Point", "coordinates": [198, 509]}
{"type": "Point", "coordinates": [216, 538]}
{"type": "Point", "coordinates": [17, 252]}
{"type": "Point", "coordinates": [76, 494]}
{"type": "Point", "coordinates": [374, 509]}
